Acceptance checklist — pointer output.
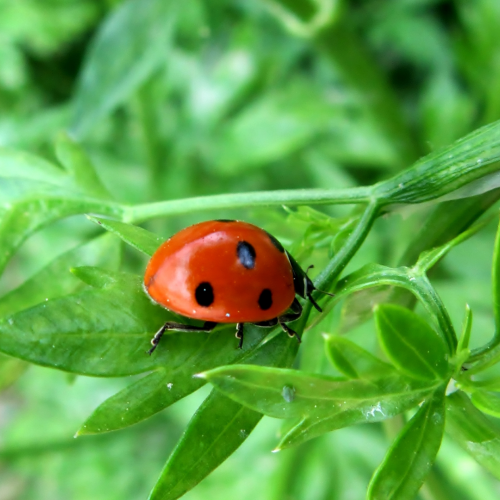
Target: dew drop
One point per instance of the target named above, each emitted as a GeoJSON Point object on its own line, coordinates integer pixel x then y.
{"type": "Point", "coordinates": [288, 393]}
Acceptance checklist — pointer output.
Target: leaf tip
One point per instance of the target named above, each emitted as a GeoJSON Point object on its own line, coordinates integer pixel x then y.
{"type": "Point", "coordinates": [200, 375]}
{"type": "Point", "coordinates": [276, 450]}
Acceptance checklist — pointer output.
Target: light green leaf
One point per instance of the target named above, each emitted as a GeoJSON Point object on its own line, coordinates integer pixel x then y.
{"type": "Point", "coordinates": [353, 361]}
{"type": "Point", "coordinates": [284, 393]}
{"type": "Point", "coordinates": [463, 342]}
{"type": "Point", "coordinates": [145, 241]}
{"type": "Point", "coordinates": [130, 45]}
{"type": "Point", "coordinates": [410, 343]}
{"type": "Point", "coordinates": [410, 458]}
{"type": "Point", "coordinates": [475, 432]}
{"type": "Point", "coordinates": [487, 402]}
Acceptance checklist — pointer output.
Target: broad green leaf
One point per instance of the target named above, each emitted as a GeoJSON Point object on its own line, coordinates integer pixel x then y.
{"type": "Point", "coordinates": [410, 343]}
{"type": "Point", "coordinates": [487, 402]}
{"type": "Point", "coordinates": [55, 279]}
{"type": "Point", "coordinates": [353, 361]}
{"type": "Point", "coordinates": [33, 193]}
{"type": "Point", "coordinates": [469, 159]}
{"type": "Point", "coordinates": [475, 432]}
{"type": "Point", "coordinates": [410, 458]}
{"type": "Point", "coordinates": [216, 430]}
{"type": "Point", "coordinates": [168, 384]}
{"type": "Point", "coordinates": [107, 331]}
{"type": "Point", "coordinates": [129, 46]}
{"type": "Point", "coordinates": [136, 236]}
{"type": "Point", "coordinates": [78, 164]}
{"type": "Point", "coordinates": [284, 393]}
{"type": "Point", "coordinates": [354, 411]}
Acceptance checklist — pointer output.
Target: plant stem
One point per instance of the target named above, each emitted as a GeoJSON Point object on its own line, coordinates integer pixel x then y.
{"type": "Point", "coordinates": [140, 213]}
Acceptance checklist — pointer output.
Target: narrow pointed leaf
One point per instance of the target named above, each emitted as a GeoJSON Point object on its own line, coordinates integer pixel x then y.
{"type": "Point", "coordinates": [496, 287]}
{"type": "Point", "coordinates": [410, 458]}
{"type": "Point", "coordinates": [107, 331]}
{"type": "Point", "coordinates": [410, 343]}
{"type": "Point", "coordinates": [112, 73]}
{"type": "Point", "coordinates": [353, 361]}
{"type": "Point", "coordinates": [216, 430]}
{"type": "Point", "coordinates": [474, 431]}
{"type": "Point", "coordinates": [55, 279]}
{"type": "Point", "coordinates": [78, 164]}
{"type": "Point", "coordinates": [141, 239]}
{"type": "Point", "coordinates": [353, 412]}
{"type": "Point", "coordinates": [282, 393]}
{"type": "Point", "coordinates": [463, 342]}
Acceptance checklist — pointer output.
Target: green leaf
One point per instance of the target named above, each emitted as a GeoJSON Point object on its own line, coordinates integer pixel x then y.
{"type": "Point", "coordinates": [410, 343]}
{"type": "Point", "coordinates": [216, 430]}
{"type": "Point", "coordinates": [284, 393]}
{"type": "Point", "coordinates": [353, 361]}
{"type": "Point", "coordinates": [469, 159]}
{"type": "Point", "coordinates": [495, 272]}
{"type": "Point", "coordinates": [410, 458]}
{"type": "Point", "coordinates": [145, 241]}
{"type": "Point", "coordinates": [463, 342]}
{"type": "Point", "coordinates": [129, 46]}
{"type": "Point", "coordinates": [475, 432]}
{"type": "Point", "coordinates": [55, 279]}
{"type": "Point", "coordinates": [77, 163]}
{"type": "Point", "coordinates": [107, 331]}
{"type": "Point", "coordinates": [353, 411]}
{"type": "Point", "coordinates": [10, 370]}
{"type": "Point", "coordinates": [168, 384]}
{"type": "Point", "coordinates": [487, 402]}
{"type": "Point", "coordinates": [34, 193]}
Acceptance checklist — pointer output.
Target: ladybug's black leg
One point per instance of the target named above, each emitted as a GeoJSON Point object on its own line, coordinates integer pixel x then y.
{"type": "Point", "coordinates": [179, 327]}
{"type": "Point", "coordinates": [239, 334]}
{"type": "Point", "coordinates": [287, 329]}
{"type": "Point", "coordinates": [296, 309]}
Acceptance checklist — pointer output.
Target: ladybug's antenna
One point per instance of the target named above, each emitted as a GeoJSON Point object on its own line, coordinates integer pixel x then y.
{"type": "Point", "coordinates": [308, 293]}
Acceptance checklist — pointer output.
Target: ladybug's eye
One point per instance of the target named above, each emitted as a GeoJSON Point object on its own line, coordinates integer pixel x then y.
{"type": "Point", "coordinates": [204, 294]}
{"type": "Point", "coordinates": [246, 254]}
{"type": "Point", "coordinates": [265, 299]}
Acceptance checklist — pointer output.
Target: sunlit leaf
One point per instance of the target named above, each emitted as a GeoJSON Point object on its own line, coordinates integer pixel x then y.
{"type": "Point", "coordinates": [487, 402]}
{"type": "Point", "coordinates": [475, 432]}
{"type": "Point", "coordinates": [353, 361]}
{"type": "Point", "coordinates": [284, 393]}
{"type": "Point", "coordinates": [139, 238]}
{"type": "Point", "coordinates": [411, 344]}
{"type": "Point", "coordinates": [410, 458]}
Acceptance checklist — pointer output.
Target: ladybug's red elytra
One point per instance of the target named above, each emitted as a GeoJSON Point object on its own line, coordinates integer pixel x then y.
{"type": "Point", "coordinates": [226, 271]}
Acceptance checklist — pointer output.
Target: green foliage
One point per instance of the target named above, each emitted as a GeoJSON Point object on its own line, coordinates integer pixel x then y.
{"type": "Point", "coordinates": [178, 111]}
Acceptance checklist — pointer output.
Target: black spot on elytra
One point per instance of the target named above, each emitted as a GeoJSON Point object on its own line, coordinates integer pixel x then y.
{"type": "Point", "coordinates": [265, 299]}
{"type": "Point", "coordinates": [276, 243]}
{"type": "Point", "coordinates": [246, 254]}
{"type": "Point", "coordinates": [204, 294]}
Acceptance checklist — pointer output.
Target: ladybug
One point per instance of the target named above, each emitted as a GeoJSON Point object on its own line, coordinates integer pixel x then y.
{"type": "Point", "coordinates": [226, 271]}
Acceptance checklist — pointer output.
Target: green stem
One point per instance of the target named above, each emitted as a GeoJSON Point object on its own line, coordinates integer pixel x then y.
{"type": "Point", "coordinates": [140, 213]}
{"type": "Point", "coordinates": [340, 260]}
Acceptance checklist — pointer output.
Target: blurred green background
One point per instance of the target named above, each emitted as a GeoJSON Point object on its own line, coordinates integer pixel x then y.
{"type": "Point", "coordinates": [179, 99]}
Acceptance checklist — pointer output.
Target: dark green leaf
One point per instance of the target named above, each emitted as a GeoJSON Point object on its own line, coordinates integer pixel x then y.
{"type": "Point", "coordinates": [55, 279]}
{"type": "Point", "coordinates": [284, 393]}
{"type": "Point", "coordinates": [136, 236]}
{"type": "Point", "coordinates": [128, 48]}
{"type": "Point", "coordinates": [476, 433]}
{"type": "Point", "coordinates": [216, 430]}
{"type": "Point", "coordinates": [487, 402]}
{"type": "Point", "coordinates": [353, 361]}
{"type": "Point", "coordinates": [410, 343]}
{"type": "Point", "coordinates": [410, 458]}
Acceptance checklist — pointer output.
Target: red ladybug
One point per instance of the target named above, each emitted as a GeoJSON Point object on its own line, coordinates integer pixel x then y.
{"type": "Point", "coordinates": [226, 271]}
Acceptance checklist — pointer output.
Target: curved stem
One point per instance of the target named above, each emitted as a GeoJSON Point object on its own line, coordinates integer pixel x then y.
{"type": "Point", "coordinates": [140, 213]}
